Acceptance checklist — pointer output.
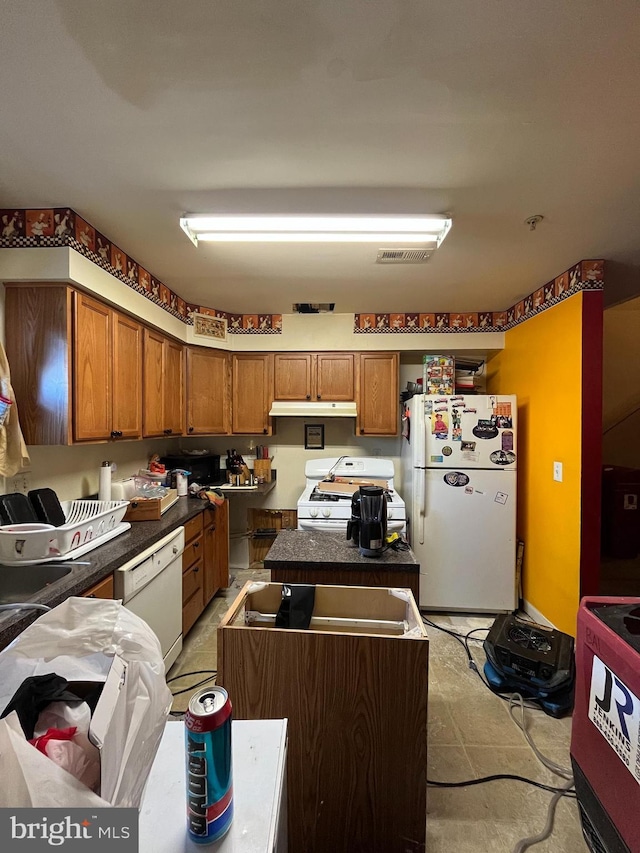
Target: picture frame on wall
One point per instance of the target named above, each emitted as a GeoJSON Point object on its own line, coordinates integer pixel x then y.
{"type": "Point", "coordinates": [205, 326]}
{"type": "Point", "coordinates": [314, 436]}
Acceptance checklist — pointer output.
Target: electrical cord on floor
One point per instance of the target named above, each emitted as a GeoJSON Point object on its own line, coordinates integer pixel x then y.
{"type": "Point", "coordinates": [564, 772]}
{"type": "Point", "coordinates": [525, 843]}
{"type": "Point", "coordinates": [464, 639]}
{"type": "Point", "coordinates": [498, 776]}
{"type": "Point", "coordinates": [516, 698]}
{"type": "Point", "coordinates": [210, 673]}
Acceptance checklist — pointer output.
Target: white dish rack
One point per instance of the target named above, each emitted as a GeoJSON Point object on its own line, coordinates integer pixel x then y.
{"type": "Point", "coordinates": [86, 520]}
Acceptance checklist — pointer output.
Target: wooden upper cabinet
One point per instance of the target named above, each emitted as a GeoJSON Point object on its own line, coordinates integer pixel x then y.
{"type": "Point", "coordinates": [38, 322]}
{"type": "Point", "coordinates": [173, 388]}
{"type": "Point", "coordinates": [208, 403]}
{"type": "Point", "coordinates": [335, 376]}
{"type": "Point", "coordinates": [92, 381]}
{"type": "Point", "coordinates": [314, 376]}
{"type": "Point", "coordinates": [127, 377]}
{"type": "Point", "coordinates": [152, 385]}
{"type": "Point", "coordinates": [76, 365]}
{"type": "Point", "coordinates": [252, 395]}
{"type": "Point", "coordinates": [378, 400]}
{"type": "Point", "coordinates": [107, 389]}
{"type": "Point", "coordinates": [163, 386]}
{"type": "Point", "coordinates": [294, 376]}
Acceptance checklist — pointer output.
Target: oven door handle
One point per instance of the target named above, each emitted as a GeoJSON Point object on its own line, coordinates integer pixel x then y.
{"type": "Point", "coordinates": [320, 524]}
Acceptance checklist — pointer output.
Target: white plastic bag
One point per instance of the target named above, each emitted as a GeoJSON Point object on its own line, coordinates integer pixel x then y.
{"type": "Point", "coordinates": [87, 640]}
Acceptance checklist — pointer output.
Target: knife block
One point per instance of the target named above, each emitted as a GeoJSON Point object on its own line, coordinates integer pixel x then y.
{"type": "Point", "coordinates": [262, 468]}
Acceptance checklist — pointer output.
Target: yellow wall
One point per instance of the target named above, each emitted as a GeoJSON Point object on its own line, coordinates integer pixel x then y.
{"type": "Point", "coordinates": [542, 364]}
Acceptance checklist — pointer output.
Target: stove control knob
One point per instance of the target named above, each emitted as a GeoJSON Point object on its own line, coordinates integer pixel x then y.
{"type": "Point", "coordinates": [326, 513]}
{"type": "Point", "coordinates": [313, 512]}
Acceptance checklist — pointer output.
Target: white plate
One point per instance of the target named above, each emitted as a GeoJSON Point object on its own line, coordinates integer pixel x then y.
{"type": "Point", "coordinates": [77, 552]}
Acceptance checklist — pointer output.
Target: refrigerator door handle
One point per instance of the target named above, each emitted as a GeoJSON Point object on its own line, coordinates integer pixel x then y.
{"type": "Point", "coordinates": [421, 476]}
{"type": "Point", "coordinates": [419, 426]}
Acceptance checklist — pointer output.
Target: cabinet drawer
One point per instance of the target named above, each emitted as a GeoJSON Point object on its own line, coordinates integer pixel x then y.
{"type": "Point", "coordinates": [192, 552]}
{"type": "Point", "coordinates": [191, 610]}
{"type": "Point", "coordinates": [193, 527]}
{"type": "Point", "coordinates": [104, 589]}
{"type": "Point", "coordinates": [191, 581]}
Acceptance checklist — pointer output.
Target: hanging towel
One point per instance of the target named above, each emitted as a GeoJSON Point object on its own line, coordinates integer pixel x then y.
{"type": "Point", "coordinates": [13, 451]}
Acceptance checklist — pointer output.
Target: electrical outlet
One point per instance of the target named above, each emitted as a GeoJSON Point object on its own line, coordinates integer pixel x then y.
{"type": "Point", "coordinates": [557, 471]}
{"type": "Point", "coordinates": [21, 483]}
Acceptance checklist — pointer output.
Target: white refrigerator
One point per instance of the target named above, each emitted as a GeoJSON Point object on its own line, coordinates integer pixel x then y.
{"type": "Point", "coordinates": [459, 469]}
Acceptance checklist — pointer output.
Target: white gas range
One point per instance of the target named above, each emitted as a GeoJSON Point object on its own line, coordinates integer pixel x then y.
{"type": "Point", "coordinates": [320, 511]}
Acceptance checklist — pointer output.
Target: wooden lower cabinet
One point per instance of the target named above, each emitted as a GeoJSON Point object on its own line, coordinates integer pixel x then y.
{"type": "Point", "coordinates": [104, 589]}
{"type": "Point", "coordinates": [348, 577]}
{"type": "Point", "coordinates": [356, 702]}
{"type": "Point", "coordinates": [205, 561]}
{"type": "Point", "coordinates": [216, 550]}
{"type": "Point", "coordinates": [192, 573]}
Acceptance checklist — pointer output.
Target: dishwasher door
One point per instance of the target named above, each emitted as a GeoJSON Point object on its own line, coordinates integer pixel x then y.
{"type": "Point", "coordinates": [150, 586]}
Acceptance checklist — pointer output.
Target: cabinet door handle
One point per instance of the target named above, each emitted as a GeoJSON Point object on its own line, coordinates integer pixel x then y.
{"type": "Point", "coordinates": [119, 433]}
{"type": "Point", "coordinates": [114, 434]}
{"type": "Point", "coordinates": [190, 429]}
{"type": "Point", "coordinates": [196, 544]}
{"type": "Point", "coordinates": [212, 528]}
{"type": "Point", "coordinates": [361, 431]}
{"type": "Point", "coordinates": [168, 431]}
{"type": "Point", "coordinates": [264, 430]}
{"type": "Point", "coordinates": [319, 397]}
{"type": "Point", "coordinates": [308, 396]}
{"type": "Point", "coordinates": [196, 569]}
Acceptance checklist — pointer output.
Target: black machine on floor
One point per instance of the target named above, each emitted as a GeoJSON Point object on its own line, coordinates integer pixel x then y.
{"type": "Point", "coordinates": [533, 660]}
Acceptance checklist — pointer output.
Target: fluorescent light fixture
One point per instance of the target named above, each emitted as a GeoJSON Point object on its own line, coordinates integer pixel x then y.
{"type": "Point", "coordinates": [429, 230]}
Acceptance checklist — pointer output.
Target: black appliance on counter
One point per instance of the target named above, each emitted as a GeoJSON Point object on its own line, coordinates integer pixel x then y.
{"type": "Point", "coordinates": [204, 468]}
{"type": "Point", "coordinates": [368, 524]}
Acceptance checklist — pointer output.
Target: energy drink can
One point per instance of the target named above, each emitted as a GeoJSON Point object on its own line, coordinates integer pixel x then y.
{"type": "Point", "coordinates": [209, 779]}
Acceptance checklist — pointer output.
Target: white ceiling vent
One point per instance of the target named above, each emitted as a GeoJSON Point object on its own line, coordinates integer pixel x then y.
{"type": "Point", "coordinates": [403, 256]}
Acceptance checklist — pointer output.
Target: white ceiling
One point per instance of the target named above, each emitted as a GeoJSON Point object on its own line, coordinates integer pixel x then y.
{"type": "Point", "coordinates": [492, 110]}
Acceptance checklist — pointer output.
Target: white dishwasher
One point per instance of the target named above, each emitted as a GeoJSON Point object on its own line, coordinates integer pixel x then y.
{"type": "Point", "coordinates": [150, 585]}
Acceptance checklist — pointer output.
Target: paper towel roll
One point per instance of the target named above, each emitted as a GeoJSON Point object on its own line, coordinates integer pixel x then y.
{"type": "Point", "coordinates": [104, 486]}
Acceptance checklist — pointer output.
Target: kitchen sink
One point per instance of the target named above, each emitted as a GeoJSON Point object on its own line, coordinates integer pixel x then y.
{"type": "Point", "coordinates": [20, 583]}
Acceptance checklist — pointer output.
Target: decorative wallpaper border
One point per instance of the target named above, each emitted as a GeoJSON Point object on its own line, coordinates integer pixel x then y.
{"type": "Point", "coordinates": [58, 227]}
{"type": "Point", "coordinates": [585, 275]}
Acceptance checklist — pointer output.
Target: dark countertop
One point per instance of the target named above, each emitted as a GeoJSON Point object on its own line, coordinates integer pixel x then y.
{"type": "Point", "coordinates": [257, 489]}
{"type": "Point", "coordinates": [303, 549]}
{"type": "Point", "coordinates": [104, 561]}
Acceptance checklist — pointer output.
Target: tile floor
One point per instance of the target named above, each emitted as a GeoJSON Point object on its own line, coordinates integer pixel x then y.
{"type": "Point", "coordinates": [470, 734]}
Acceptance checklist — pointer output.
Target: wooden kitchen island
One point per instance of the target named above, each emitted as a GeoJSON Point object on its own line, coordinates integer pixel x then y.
{"type": "Point", "coordinates": [302, 556]}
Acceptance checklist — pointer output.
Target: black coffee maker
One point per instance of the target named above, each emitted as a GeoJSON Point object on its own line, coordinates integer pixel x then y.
{"type": "Point", "coordinates": [368, 524]}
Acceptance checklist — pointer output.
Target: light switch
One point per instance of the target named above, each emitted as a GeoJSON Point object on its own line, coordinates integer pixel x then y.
{"type": "Point", "coordinates": [557, 471]}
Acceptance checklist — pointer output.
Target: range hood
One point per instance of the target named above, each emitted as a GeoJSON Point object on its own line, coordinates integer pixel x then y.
{"type": "Point", "coordinates": [313, 410]}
